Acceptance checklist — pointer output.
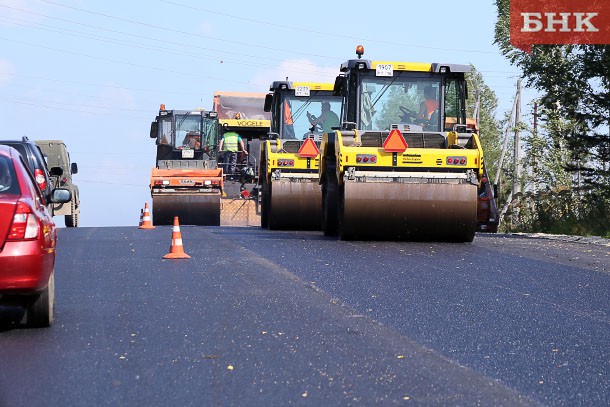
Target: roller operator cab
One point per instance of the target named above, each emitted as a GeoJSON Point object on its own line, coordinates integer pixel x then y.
{"type": "Point", "coordinates": [301, 112]}
{"type": "Point", "coordinates": [186, 181]}
{"type": "Point", "coordinates": [404, 165]}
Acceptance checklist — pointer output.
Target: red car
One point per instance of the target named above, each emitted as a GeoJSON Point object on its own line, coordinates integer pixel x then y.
{"type": "Point", "coordinates": [27, 240]}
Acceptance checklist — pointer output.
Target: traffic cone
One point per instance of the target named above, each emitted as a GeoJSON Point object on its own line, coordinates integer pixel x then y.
{"type": "Point", "coordinates": [141, 217]}
{"type": "Point", "coordinates": [146, 223]}
{"type": "Point", "coordinates": [176, 251]}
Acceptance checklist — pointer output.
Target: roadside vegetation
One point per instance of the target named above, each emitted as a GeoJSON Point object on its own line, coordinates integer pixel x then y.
{"type": "Point", "coordinates": [565, 176]}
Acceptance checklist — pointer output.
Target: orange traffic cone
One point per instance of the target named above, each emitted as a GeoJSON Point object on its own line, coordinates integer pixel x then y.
{"type": "Point", "coordinates": [141, 217]}
{"type": "Point", "coordinates": [146, 223]}
{"type": "Point", "coordinates": [176, 251]}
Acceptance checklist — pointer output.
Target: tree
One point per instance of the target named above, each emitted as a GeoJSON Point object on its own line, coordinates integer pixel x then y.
{"type": "Point", "coordinates": [482, 99]}
{"type": "Point", "coordinates": [574, 81]}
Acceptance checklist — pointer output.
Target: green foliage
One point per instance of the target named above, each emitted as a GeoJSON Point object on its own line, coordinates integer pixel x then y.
{"type": "Point", "coordinates": [573, 149]}
{"type": "Point", "coordinates": [562, 211]}
{"type": "Point", "coordinates": [391, 112]}
{"type": "Point", "coordinates": [490, 131]}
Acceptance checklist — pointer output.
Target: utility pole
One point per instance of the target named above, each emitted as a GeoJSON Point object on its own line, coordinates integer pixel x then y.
{"type": "Point", "coordinates": [535, 118]}
{"type": "Point", "coordinates": [517, 174]}
{"type": "Point", "coordinates": [509, 126]}
{"type": "Point", "coordinates": [534, 171]}
{"type": "Point", "coordinates": [477, 105]}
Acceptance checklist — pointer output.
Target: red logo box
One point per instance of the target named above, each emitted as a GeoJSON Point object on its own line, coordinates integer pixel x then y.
{"type": "Point", "coordinates": [559, 22]}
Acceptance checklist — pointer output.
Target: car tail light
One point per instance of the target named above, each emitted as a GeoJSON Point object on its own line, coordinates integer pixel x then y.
{"type": "Point", "coordinates": [25, 224]}
{"type": "Point", "coordinates": [40, 179]}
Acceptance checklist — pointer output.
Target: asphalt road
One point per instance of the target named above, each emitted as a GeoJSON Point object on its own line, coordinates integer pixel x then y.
{"type": "Point", "coordinates": [292, 318]}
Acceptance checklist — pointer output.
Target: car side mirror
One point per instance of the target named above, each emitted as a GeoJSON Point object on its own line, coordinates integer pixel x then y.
{"type": "Point", "coordinates": [56, 171]}
{"type": "Point", "coordinates": [73, 168]}
{"type": "Point", "coordinates": [61, 195]}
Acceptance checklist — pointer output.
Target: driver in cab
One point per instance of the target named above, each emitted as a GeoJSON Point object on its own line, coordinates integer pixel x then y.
{"type": "Point", "coordinates": [192, 140]}
{"type": "Point", "coordinates": [429, 105]}
{"type": "Point", "coordinates": [327, 119]}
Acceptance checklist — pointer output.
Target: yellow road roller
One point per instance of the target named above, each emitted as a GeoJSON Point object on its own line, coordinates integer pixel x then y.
{"type": "Point", "coordinates": [301, 112]}
{"type": "Point", "coordinates": [404, 165]}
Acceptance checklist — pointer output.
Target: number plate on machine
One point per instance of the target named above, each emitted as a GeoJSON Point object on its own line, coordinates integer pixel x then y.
{"type": "Point", "coordinates": [384, 70]}
{"type": "Point", "coordinates": [188, 153]}
{"type": "Point", "coordinates": [301, 91]}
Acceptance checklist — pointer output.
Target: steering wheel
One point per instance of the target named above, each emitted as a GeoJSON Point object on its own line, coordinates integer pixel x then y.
{"type": "Point", "coordinates": [408, 115]}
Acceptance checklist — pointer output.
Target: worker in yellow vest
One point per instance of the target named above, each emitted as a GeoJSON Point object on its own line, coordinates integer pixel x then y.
{"type": "Point", "coordinates": [229, 146]}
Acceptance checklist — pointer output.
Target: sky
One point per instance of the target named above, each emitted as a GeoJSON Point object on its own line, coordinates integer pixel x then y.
{"type": "Point", "coordinates": [94, 73]}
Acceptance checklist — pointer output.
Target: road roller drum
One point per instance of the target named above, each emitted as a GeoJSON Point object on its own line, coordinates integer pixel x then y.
{"type": "Point", "coordinates": [295, 205]}
{"type": "Point", "coordinates": [192, 209]}
{"type": "Point", "coordinates": [408, 211]}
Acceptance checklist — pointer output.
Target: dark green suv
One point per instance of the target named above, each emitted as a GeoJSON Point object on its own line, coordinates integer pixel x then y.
{"type": "Point", "coordinates": [57, 155]}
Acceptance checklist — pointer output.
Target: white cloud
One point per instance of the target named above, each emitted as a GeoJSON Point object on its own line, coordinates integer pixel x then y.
{"type": "Point", "coordinates": [300, 70]}
{"type": "Point", "coordinates": [6, 72]}
{"type": "Point", "coordinates": [206, 28]}
{"type": "Point", "coordinates": [116, 97]}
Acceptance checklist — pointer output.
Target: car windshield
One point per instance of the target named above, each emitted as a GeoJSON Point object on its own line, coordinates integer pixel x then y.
{"type": "Point", "coordinates": [8, 179]}
{"type": "Point", "coordinates": [404, 98]}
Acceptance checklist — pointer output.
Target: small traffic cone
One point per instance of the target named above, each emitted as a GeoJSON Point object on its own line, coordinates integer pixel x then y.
{"type": "Point", "coordinates": [141, 217]}
{"type": "Point", "coordinates": [176, 251]}
{"type": "Point", "coordinates": [146, 223]}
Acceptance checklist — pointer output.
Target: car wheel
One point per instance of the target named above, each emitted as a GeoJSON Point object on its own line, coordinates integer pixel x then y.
{"type": "Point", "coordinates": [72, 219]}
{"type": "Point", "coordinates": [40, 308]}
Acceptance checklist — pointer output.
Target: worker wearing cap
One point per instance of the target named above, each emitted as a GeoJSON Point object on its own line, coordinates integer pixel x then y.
{"type": "Point", "coordinates": [229, 146]}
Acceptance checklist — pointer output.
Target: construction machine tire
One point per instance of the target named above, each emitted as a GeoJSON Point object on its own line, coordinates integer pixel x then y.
{"type": "Point", "coordinates": [408, 211]}
{"type": "Point", "coordinates": [295, 205]}
{"type": "Point", "coordinates": [265, 203]}
{"type": "Point", "coordinates": [191, 209]}
{"type": "Point", "coordinates": [330, 201]}
{"type": "Point", "coordinates": [265, 193]}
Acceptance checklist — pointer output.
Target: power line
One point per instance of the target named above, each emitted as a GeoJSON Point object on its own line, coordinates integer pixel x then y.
{"type": "Point", "coordinates": [268, 23]}
{"type": "Point", "coordinates": [54, 102]}
{"type": "Point", "coordinates": [145, 47]}
{"type": "Point", "coordinates": [47, 105]}
{"type": "Point", "coordinates": [197, 75]}
{"type": "Point", "coordinates": [137, 45]}
{"type": "Point", "coordinates": [182, 32]}
{"type": "Point", "coordinates": [97, 84]}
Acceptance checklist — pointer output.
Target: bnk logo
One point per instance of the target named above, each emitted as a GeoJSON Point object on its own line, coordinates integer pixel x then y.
{"type": "Point", "coordinates": [559, 22]}
{"type": "Point", "coordinates": [564, 22]}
